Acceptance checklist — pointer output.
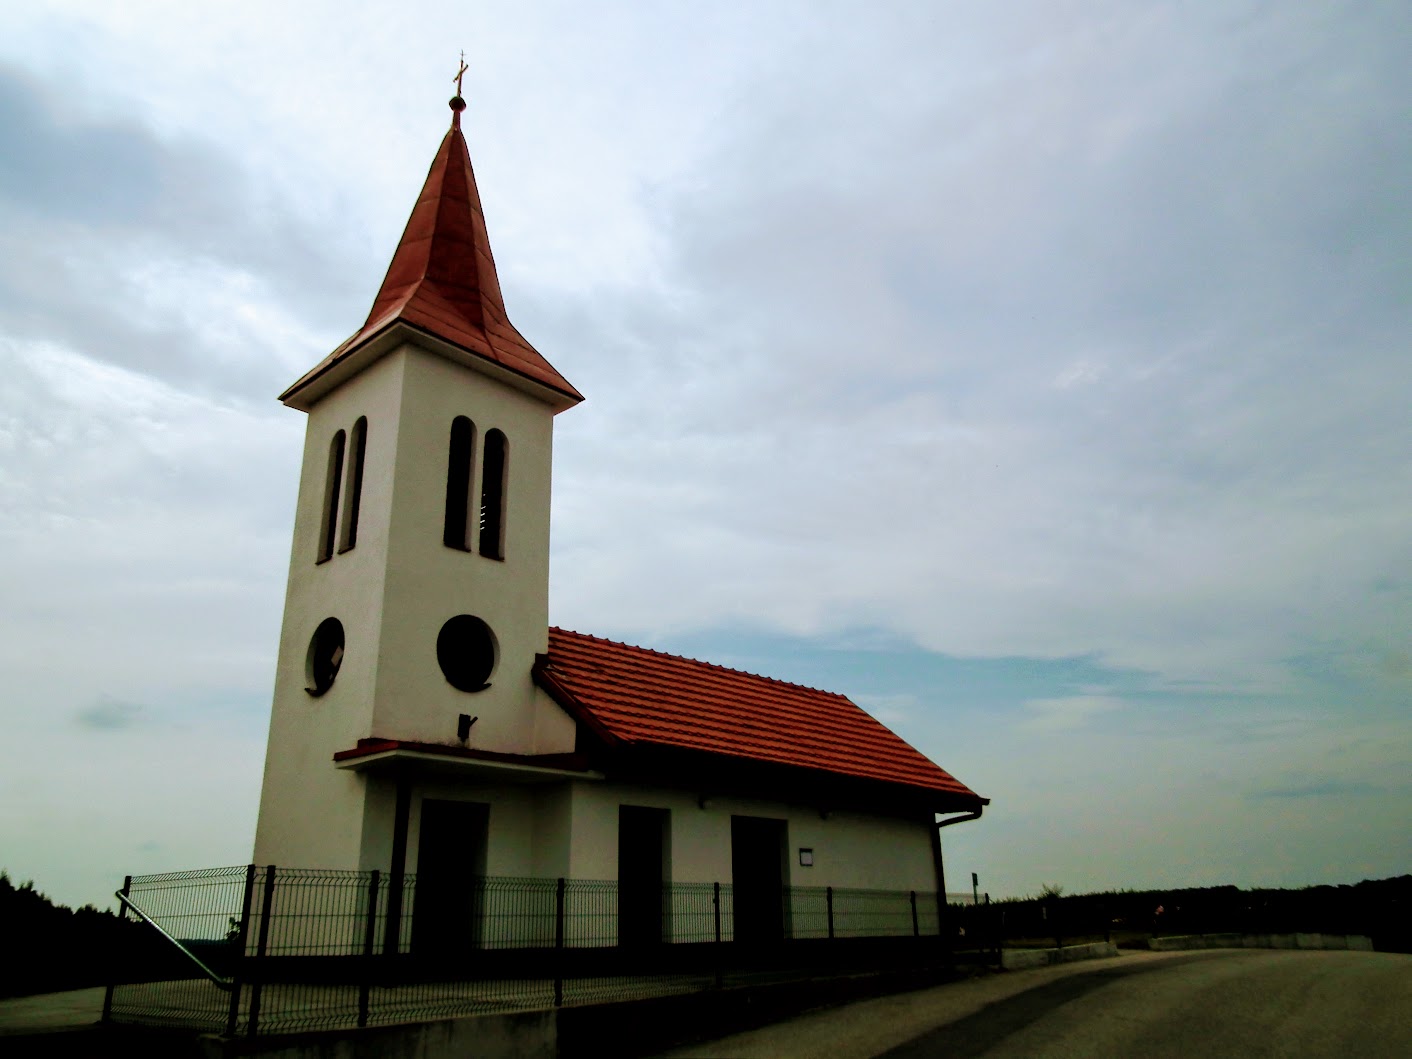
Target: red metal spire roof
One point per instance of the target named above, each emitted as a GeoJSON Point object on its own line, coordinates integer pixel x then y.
{"type": "Point", "coordinates": [442, 278]}
{"type": "Point", "coordinates": [635, 696]}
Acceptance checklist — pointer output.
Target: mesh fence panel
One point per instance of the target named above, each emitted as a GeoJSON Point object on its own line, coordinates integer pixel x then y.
{"type": "Point", "coordinates": [590, 913]}
{"type": "Point", "coordinates": [311, 949]}
{"type": "Point", "coordinates": [310, 913]}
{"type": "Point", "coordinates": [872, 913]}
{"type": "Point", "coordinates": [516, 913]}
{"type": "Point", "coordinates": [203, 910]}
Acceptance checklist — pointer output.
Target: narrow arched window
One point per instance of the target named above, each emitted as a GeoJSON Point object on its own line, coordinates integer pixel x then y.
{"type": "Point", "coordinates": [492, 496]}
{"type": "Point", "coordinates": [353, 496]}
{"type": "Point", "coordinates": [458, 483]}
{"type": "Point", "coordinates": [328, 531]}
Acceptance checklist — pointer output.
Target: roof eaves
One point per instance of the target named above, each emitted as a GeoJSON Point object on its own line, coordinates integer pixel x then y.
{"type": "Point", "coordinates": [564, 397]}
{"type": "Point", "coordinates": [667, 763]}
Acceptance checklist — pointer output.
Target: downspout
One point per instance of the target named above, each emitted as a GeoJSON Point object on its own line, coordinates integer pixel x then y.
{"type": "Point", "coordinates": [942, 911]}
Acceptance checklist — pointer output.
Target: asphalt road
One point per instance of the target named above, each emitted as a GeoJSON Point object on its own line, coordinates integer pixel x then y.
{"type": "Point", "coordinates": [1209, 1004]}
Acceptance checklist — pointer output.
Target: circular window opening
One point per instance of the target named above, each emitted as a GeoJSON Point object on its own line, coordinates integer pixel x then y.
{"type": "Point", "coordinates": [325, 656]}
{"type": "Point", "coordinates": [466, 650]}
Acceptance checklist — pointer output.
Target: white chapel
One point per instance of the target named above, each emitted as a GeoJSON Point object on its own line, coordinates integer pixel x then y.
{"type": "Point", "coordinates": [427, 719]}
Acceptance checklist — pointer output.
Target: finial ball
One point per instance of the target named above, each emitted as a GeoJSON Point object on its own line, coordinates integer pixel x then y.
{"type": "Point", "coordinates": [457, 104]}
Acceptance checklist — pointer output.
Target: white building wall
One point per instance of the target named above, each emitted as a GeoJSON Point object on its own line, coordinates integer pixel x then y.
{"type": "Point", "coordinates": [393, 592]}
{"type": "Point", "coordinates": [850, 849]}
{"type": "Point", "coordinates": [570, 828]}
{"type": "Point", "coordinates": [428, 583]}
{"type": "Point", "coordinates": [310, 812]}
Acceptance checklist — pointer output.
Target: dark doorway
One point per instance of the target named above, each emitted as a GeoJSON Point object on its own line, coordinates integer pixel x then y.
{"type": "Point", "coordinates": [644, 864]}
{"type": "Point", "coordinates": [446, 909]}
{"type": "Point", "coordinates": [757, 876]}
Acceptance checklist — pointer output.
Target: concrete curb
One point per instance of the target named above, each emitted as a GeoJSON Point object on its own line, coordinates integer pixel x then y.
{"type": "Point", "coordinates": [1354, 942]}
{"type": "Point", "coordinates": [1019, 959]}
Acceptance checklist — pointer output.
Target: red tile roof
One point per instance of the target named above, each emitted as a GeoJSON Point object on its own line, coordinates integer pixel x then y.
{"type": "Point", "coordinates": [442, 279]}
{"type": "Point", "coordinates": [637, 697]}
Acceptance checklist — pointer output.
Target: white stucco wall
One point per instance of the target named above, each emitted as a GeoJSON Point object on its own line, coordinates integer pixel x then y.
{"type": "Point", "coordinates": [311, 813]}
{"type": "Point", "coordinates": [570, 829]}
{"type": "Point", "coordinates": [393, 592]}
{"type": "Point", "coordinates": [850, 849]}
{"type": "Point", "coordinates": [428, 583]}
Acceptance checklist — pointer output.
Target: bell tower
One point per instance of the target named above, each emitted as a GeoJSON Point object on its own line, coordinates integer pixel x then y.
{"type": "Point", "coordinates": [417, 597]}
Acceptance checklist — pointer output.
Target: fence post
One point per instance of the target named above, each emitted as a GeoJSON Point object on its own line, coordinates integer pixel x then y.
{"type": "Point", "coordinates": [559, 943]}
{"type": "Point", "coordinates": [997, 928]}
{"type": "Point", "coordinates": [916, 932]}
{"type": "Point", "coordinates": [716, 901]}
{"type": "Point", "coordinates": [369, 941]}
{"type": "Point", "coordinates": [260, 947]}
{"type": "Point", "coordinates": [828, 898]}
{"type": "Point", "coordinates": [113, 966]}
{"type": "Point", "coordinates": [242, 931]}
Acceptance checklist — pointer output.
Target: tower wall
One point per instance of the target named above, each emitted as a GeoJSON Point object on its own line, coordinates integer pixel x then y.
{"type": "Point", "coordinates": [310, 812]}
{"type": "Point", "coordinates": [428, 583]}
{"type": "Point", "coordinates": [394, 590]}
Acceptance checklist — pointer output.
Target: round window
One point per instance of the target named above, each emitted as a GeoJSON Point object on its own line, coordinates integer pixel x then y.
{"type": "Point", "coordinates": [466, 650]}
{"type": "Point", "coordinates": [325, 656]}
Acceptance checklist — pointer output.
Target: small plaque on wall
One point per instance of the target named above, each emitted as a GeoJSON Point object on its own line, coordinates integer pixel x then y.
{"type": "Point", "coordinates": [806, 857]}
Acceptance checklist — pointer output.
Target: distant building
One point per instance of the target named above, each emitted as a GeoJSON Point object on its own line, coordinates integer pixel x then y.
{"type": "Point", "coordinates": [427, 718]}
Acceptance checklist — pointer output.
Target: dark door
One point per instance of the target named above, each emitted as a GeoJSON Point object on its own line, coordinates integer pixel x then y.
{"type": "Point", "coordinates": [643, 866]}
{"type": "Point", "coordinates": [446, 910]}
{"type": "Point", "coordinates": [757, 877]}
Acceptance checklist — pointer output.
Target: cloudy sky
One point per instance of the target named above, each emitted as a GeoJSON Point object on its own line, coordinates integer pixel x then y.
{"type": "Point", "coordinates": [1034, 372]}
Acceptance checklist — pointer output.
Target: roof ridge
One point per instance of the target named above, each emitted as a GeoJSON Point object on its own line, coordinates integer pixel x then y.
{"type": "Point", "coordinates": [703, 662]}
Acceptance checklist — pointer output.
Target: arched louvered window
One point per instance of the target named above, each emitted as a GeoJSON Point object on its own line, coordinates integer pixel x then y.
{"type": "Point", "coordinates": [458, 483]}
{"type": "Point", "coordinates": [492, 496]}
{"type": "Point", "coordinates": [329, 530]}
{"type": "Point", "coordinates": [353, 496]}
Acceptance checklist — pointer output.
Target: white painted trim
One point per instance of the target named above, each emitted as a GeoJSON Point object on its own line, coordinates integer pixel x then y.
{"type": "Point", "coordinates": [465, 767]}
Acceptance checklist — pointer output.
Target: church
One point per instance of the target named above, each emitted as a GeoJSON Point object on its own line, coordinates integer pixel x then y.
{"type": "Point", "coordinates": [428, 721]}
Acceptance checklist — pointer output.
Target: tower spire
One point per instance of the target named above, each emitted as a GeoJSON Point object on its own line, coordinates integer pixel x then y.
{"type": "Point", "coordinates": [442, 280]}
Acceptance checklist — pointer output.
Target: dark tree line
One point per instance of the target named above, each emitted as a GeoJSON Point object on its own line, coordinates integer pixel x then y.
{"type": "Point", "coordinates": [1378, 908]}
{"type": "Point", "coordinates": [50, 947]}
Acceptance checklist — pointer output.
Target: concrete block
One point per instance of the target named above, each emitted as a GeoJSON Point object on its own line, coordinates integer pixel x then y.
{"type": "Point", "coordinates": [528, 1035]}
{"type": "Point", "coordinates": [1356, 942]}
{"type": "Point", "coordinates": [1019, 959]}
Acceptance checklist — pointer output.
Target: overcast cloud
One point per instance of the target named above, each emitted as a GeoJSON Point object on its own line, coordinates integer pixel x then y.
{"type": "Point", "coordinates": [1035, 373]}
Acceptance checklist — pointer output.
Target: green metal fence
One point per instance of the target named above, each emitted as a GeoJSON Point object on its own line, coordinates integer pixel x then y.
{"type": "Point", "coordinates": [260, 948]}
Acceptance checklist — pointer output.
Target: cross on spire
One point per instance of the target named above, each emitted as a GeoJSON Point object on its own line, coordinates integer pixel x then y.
{"type": "Point", "coordinates": [461, 72]}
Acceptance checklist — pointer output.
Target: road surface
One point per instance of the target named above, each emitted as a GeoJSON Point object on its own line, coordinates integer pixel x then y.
{"type": "Point", "coordinates": [1234, 1002]}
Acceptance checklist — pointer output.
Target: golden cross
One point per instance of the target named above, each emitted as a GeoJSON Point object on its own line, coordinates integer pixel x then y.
{"type": "Point", "coordinates": [461, 72]}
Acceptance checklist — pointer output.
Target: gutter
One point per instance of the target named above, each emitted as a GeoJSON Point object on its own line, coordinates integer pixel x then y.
{"type": "Point", "coordinates": [941, 906]}
{"type": "Point", "coordinates": [974, 815]}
